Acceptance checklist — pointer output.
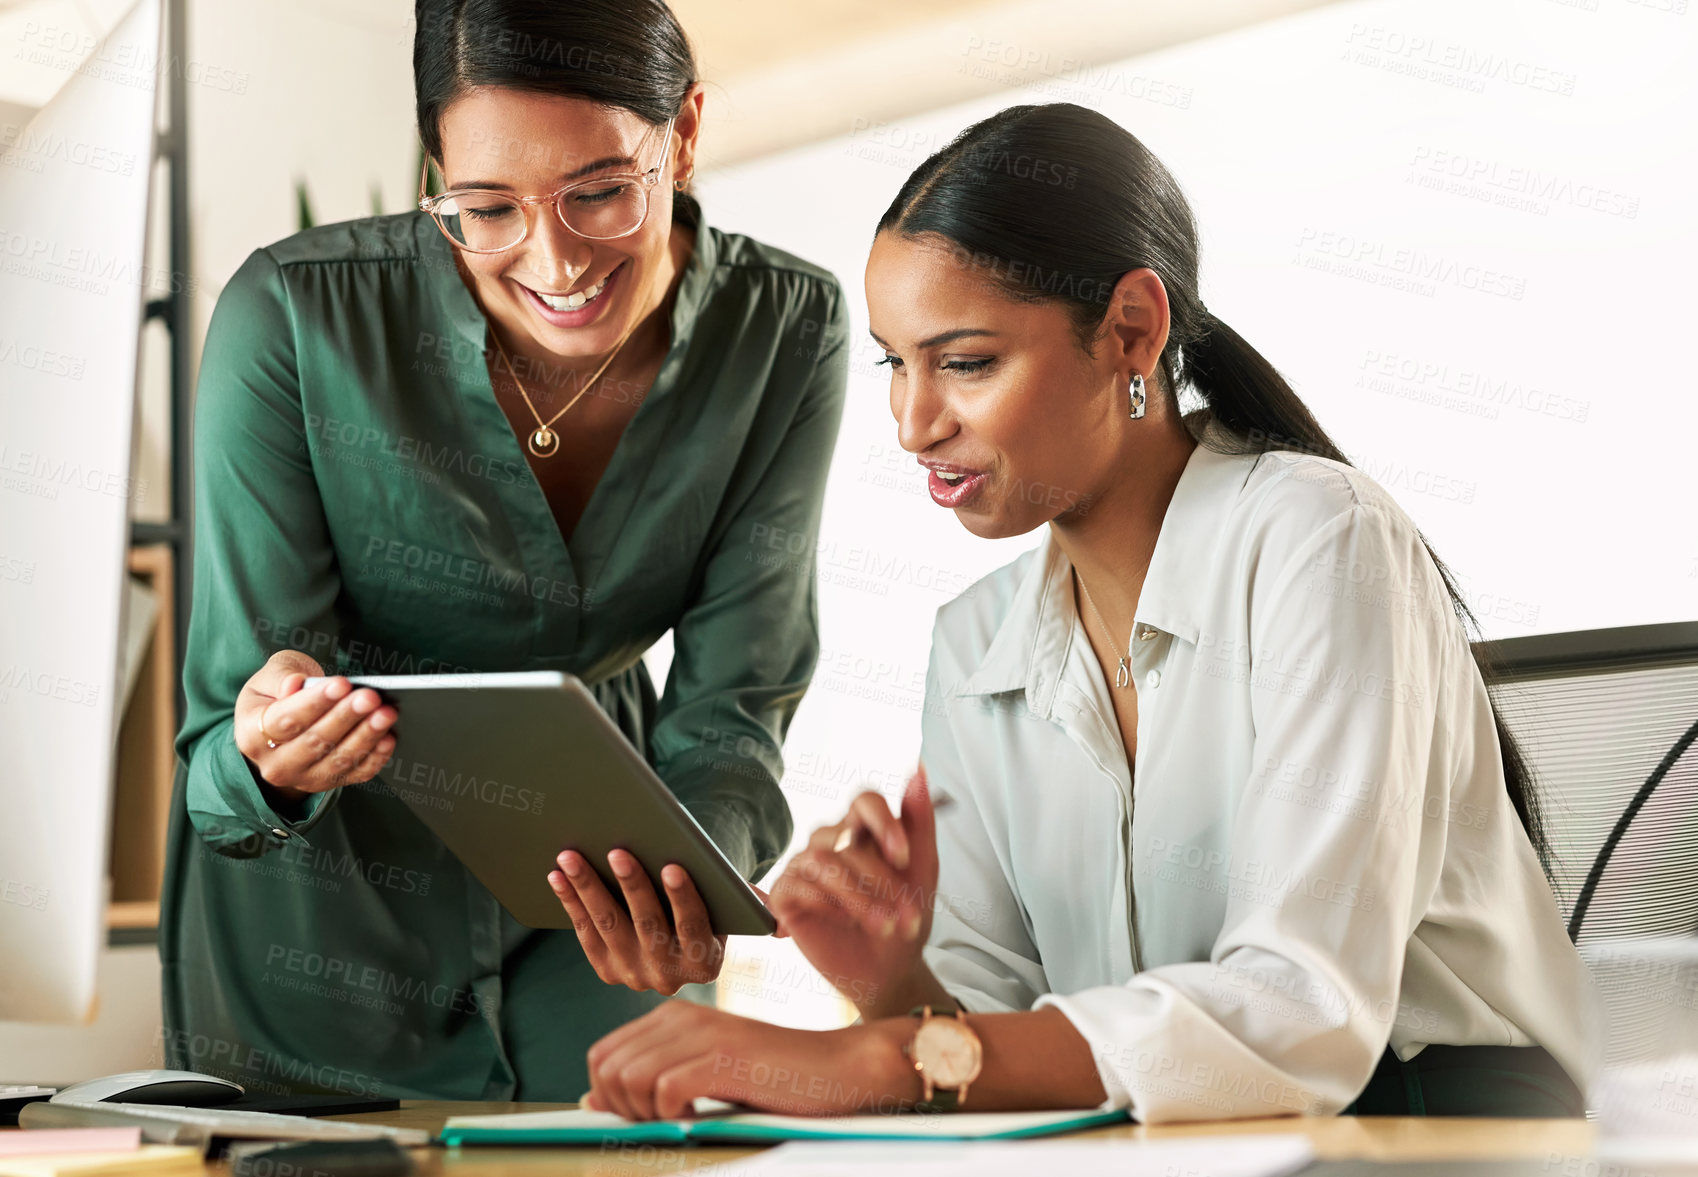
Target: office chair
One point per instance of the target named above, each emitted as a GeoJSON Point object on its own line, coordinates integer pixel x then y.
{"type": "Point", "coordinates": [1607, 719]}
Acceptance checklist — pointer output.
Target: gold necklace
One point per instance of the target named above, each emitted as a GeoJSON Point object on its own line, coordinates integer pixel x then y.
{"type": "Point", "coordinates": [543, 441]}
{"type": "Point", "coordinates": [1123, 673]}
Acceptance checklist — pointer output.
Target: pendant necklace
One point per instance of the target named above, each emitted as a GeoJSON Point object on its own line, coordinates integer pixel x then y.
{"type": "Point", "coordinates": [543, 441]}
{"type": "Point", "coordinates": [1123, 673]}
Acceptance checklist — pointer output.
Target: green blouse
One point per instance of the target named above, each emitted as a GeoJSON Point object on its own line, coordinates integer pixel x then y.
{"type": "Point", "coordinates": [361, 496]}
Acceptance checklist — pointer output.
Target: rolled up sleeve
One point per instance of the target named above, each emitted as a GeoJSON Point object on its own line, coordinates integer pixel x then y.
{"type": "Point", "coordinates": [1296, 1002]}
{"type": "Point", "coordinates": [265, 576]}
{"type": "Point", "coordinates": [746, 646]}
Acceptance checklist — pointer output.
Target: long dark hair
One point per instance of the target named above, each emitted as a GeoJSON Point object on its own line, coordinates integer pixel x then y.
{"type": "Point", "coordinates": [1056, 202]}
{"type": "Point", "coordinates": [630, 54]}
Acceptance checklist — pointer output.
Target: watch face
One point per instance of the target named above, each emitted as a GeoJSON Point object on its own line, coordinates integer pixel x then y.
{"type": "Point", "coordinates": [948, 1051]}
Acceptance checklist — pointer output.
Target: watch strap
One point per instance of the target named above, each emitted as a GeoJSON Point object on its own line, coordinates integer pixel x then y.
{"type": "Point", "coordinates": [942, 1100]}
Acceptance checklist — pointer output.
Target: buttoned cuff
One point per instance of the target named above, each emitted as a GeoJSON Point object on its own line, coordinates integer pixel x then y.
{"type": "Point", "coordinates": [238, 785]}
{"type": "Point", "coordinates": [1165, 1060]}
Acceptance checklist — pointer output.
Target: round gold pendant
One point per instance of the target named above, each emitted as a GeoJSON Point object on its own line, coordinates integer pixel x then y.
{"type": "Point", "coordinates": [543, 442]}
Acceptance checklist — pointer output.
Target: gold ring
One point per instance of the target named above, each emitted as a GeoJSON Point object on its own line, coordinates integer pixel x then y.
{"type": "Point", "coordinates": [844, 840]}
{"type": "Point", "coordinates": [269, 742]}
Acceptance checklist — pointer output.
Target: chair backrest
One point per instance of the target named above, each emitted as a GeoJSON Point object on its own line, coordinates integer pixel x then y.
{"type": "Point", "coordinates": [1607, 720]}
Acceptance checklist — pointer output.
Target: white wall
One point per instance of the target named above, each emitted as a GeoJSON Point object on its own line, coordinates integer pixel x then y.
{"type": "Point", "coordinates": [1462, 230]}
{"type": "Point", "coordinates": [313, 90]}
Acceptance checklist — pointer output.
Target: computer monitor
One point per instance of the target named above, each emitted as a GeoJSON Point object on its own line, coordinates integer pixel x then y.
{"type": "Point", "coordinates": [74, 193]}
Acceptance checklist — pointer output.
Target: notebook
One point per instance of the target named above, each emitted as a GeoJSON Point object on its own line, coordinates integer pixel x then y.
{"type": "Point", "coordinates": [732, 1127]}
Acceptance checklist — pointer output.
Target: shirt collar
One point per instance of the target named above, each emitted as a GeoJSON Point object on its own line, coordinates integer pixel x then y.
{"type": "Point", "coordinates": [1029, 647]}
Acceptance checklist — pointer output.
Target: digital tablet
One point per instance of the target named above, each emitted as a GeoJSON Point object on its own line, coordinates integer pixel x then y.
{"type": "Point", "coordinates": [511, 769]}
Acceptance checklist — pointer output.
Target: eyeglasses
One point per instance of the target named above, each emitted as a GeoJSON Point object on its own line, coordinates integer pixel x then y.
{"type": "Point", "coordinates": [482, 220]}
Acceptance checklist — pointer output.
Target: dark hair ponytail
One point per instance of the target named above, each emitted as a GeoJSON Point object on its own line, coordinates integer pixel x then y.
{"type": "Point", "coordinates": [630, 54]}
{"type": "Point", "coordinates": [1056, 202]}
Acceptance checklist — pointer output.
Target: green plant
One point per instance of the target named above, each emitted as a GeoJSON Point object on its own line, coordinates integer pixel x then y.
{"type": "Point", "coordinates": [303, 204]}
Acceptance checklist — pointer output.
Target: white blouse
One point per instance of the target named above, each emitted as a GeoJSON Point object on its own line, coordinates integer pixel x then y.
{"type": "Point", "coordinates": [1322, 853]}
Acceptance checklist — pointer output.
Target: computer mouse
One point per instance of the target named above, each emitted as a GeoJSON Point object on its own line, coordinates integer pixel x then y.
{"type": "Point", "coordinates": [178, 1088]}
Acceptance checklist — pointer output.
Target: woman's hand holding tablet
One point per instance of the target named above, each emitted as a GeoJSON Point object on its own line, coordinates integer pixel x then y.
{"type": "Point", "coordinates": [639, 950]}
{"type": "Point", "coordinates": [307, 741]}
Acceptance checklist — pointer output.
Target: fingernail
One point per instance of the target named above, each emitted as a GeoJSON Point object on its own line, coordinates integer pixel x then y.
{"type": "Point", "coordinates": [672, 876]}
{"type": "Point", "coordinates": [911, 925]}
{"type": "Point", "coordinates": [571, 864]}
{"type": "Point", "coordinates": [899, 854]}
{"type": "Point", "coordinates": [382, 720]}
{"type": "Point", "coordinates": [889, 929]}
{"type": "Point", "coordinates": [364, 703]}
{"type": "Point", "coordinates": [336, 688]}
{"type": "Point", "coordinates": [620, 862]}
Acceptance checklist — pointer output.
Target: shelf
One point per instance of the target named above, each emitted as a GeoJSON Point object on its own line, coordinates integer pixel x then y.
{"type": "Point", "coordinates": [132, 915]}
{"type": "Point", "coordinates": [146, 760]}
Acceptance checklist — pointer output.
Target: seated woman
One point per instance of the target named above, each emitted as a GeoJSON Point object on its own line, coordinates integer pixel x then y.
{"type": "Point", "coordinates": [1235, 830]}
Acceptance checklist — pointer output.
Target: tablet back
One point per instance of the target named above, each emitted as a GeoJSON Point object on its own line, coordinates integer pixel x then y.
{"type": "Point", "coordinates": [511, 769]}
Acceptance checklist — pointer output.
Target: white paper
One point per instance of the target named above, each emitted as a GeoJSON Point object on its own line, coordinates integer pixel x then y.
{"type": "Point", "coordinates": [1195, 1156]}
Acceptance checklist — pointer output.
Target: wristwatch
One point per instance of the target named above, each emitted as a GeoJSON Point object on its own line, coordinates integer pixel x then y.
{"type": "Point", "coordinates": [947, 1055]}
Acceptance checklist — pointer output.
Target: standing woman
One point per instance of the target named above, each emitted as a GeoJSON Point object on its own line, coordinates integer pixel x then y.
{"type": "Point", "coordinates": [535, 425]}
{"type": "Point", "coordinates": [1236, 831]}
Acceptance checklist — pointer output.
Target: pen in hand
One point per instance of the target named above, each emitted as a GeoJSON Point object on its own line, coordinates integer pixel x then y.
{"type": "Point", "coordinates": [851, 836]}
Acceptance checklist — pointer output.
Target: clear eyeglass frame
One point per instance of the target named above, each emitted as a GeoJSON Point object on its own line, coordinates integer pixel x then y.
{"type": "Point", "coordinates": [645, 181]}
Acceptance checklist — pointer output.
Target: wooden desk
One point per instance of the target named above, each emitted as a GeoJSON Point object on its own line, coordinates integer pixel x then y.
{"type": "Point", "coordinates": [1337, 1138]}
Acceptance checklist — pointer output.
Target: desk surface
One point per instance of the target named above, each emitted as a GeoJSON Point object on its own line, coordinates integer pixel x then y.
{"type": "Point", "coordinates": [1335, 1138]}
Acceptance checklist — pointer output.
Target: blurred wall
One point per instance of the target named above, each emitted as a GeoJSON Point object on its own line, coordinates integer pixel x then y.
{"type": "Point", "coordinates": [1461, 230]}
